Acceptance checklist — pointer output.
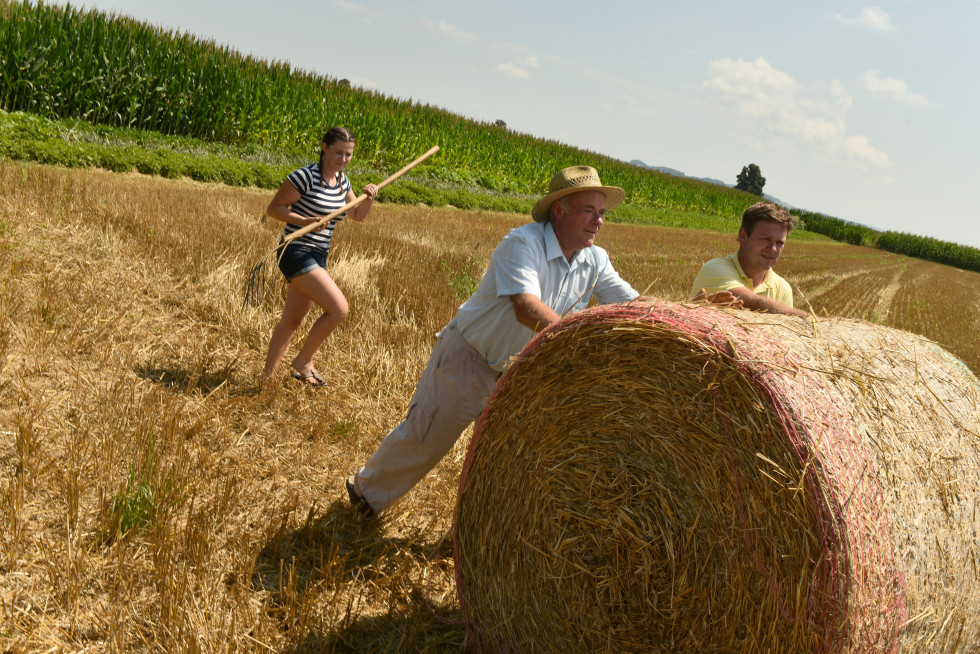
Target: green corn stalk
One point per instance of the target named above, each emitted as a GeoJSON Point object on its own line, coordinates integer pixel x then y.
{"type": "Point", "coordinates": [128, 74]}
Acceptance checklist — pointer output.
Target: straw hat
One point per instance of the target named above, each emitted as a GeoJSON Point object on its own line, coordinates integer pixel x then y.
{"type": "Point", "coordinates": [572, 180]}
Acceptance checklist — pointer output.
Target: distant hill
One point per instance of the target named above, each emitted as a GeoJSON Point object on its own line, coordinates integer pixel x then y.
{"type": "Point", "coordinates": [709, 180]}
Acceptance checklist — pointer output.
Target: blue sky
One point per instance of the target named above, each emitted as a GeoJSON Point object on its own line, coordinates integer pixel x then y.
{"type": "Point", "coordinates": [854, 110]}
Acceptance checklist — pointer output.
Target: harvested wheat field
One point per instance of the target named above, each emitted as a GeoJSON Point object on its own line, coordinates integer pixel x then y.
{"type": "Point", "coordinates": [666, 478]}
{"type": "Point", "coordinates": [155, 496]}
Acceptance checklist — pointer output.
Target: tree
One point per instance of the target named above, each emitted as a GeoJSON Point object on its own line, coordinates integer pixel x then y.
{"type": "Point", "coordinates": [751, 180]}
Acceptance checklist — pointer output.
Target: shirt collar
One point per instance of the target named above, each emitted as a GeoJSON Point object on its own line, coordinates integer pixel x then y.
{"type": "Point", "coordinates": [741, 273]}
{"type": "Point", "coordinates": [552, 248]}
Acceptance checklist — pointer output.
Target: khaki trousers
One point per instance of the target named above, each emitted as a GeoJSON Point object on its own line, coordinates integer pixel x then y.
{"type": "Point", "coordinates": [451, 394]}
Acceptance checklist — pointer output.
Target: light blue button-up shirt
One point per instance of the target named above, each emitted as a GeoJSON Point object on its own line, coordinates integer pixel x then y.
{"type": "Point", "coordinates": [529, 260]}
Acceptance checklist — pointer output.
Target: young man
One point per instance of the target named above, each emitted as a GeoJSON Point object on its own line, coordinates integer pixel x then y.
{"type": "Point", "coordinates": [539, 272]}
{"type": "Point", "coordinates": [747, 274]}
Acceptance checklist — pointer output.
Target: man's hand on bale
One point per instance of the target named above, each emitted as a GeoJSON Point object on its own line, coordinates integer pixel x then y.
{"type": "Point", "coordinates": [724, 298]}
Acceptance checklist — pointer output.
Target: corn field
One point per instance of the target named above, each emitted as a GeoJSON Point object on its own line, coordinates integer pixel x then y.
{"type": "Point", "coordinates": [126, 73]}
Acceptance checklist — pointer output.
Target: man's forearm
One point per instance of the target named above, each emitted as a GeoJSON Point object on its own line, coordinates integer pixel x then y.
{"type": "Point", "coordinates": [531, 312]}
{"type": "Point", "coordinates": [757, 302]}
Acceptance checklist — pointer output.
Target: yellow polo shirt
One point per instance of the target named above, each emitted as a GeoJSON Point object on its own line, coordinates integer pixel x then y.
{"type": "Point", "coordinates": [725, 273]}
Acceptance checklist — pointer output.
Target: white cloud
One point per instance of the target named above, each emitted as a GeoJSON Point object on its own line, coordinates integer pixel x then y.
{"type": "Point", "coordinates": [858, 147]}
{"type": "Point", "coordinates": [512, 71]}
{"type": "Point", "coordinates": [525, 55]}
{"type": "Point", "coordinates": [637, 107]}
{"type": "Point", "coordinates": [890, 88]}
{"type": "Point", "coordinates": [874, 17]}
{"type": "Point", "coordinates": [755, 86]}
{"type": "Point", "coordinates": [365, 13]}
{"type": "Point", "coordinates": [815, 130]}
{"type": "Point", "coordinates": [777, 106]}
{"type": "Point", "coordinates": [447, 30]}
{"type": "Point", "coordinates": [759, 72]}
{"type": "Point", "coordinates": [455, 33]}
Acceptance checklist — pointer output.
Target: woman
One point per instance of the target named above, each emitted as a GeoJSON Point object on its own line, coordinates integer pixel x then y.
{"type": "Point", "coordinates": [307, 195]}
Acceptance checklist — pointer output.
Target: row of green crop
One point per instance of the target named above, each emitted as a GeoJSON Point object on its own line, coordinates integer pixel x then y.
{"type": "Point", "coordinates": [125, 73]}
{"type": "Point", "coordinates": [920, 247]}
{"type": "Point", "coordinates": [930, 249]}
{"type": "Point", "coordinates": [837, 229]}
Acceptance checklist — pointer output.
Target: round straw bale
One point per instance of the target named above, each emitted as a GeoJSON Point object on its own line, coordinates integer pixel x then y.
{"type": "Point", "coordinates": [671, 478]}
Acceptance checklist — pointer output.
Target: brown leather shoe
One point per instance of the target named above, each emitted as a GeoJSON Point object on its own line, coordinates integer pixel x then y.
{"type": "Point", "coordinates": [357, 501]}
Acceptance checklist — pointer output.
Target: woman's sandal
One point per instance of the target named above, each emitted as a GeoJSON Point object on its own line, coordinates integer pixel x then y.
{"type": "Point", "coordinates": [311, 377]}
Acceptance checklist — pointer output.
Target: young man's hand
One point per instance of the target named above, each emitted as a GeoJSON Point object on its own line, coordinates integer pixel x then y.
{"type": "Point", "coordinates": [724, 298]}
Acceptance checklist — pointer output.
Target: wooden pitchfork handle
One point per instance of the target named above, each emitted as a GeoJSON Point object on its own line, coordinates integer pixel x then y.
{"type": "Point", "coordinates": [353, 203]}
{"type": "Point", "coordinates": [256, 278]}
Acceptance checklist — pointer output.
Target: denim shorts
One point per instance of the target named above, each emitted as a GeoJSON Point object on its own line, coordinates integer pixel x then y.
{"type": "Point", "coordinates": [299, 260]}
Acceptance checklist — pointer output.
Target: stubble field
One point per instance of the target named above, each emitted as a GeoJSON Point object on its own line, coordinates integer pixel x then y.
{"type": "Point", "coordinates": [130, 399]}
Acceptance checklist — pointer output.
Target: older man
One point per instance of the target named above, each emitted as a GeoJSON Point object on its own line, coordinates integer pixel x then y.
{"type": "Point", "coordinates": [747, 274]}
{"type": "Point", "coordinates": [539, 272]}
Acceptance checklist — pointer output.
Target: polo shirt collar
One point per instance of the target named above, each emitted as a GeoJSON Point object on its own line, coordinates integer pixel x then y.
{"type": "Point", "coordinates": [741, 273]}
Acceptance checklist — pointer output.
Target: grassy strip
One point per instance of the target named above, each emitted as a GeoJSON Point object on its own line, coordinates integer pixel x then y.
{"type": "Point", "coordinates": [78, 144]}
{"type": "Point", "coordinates": [30, 138]}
